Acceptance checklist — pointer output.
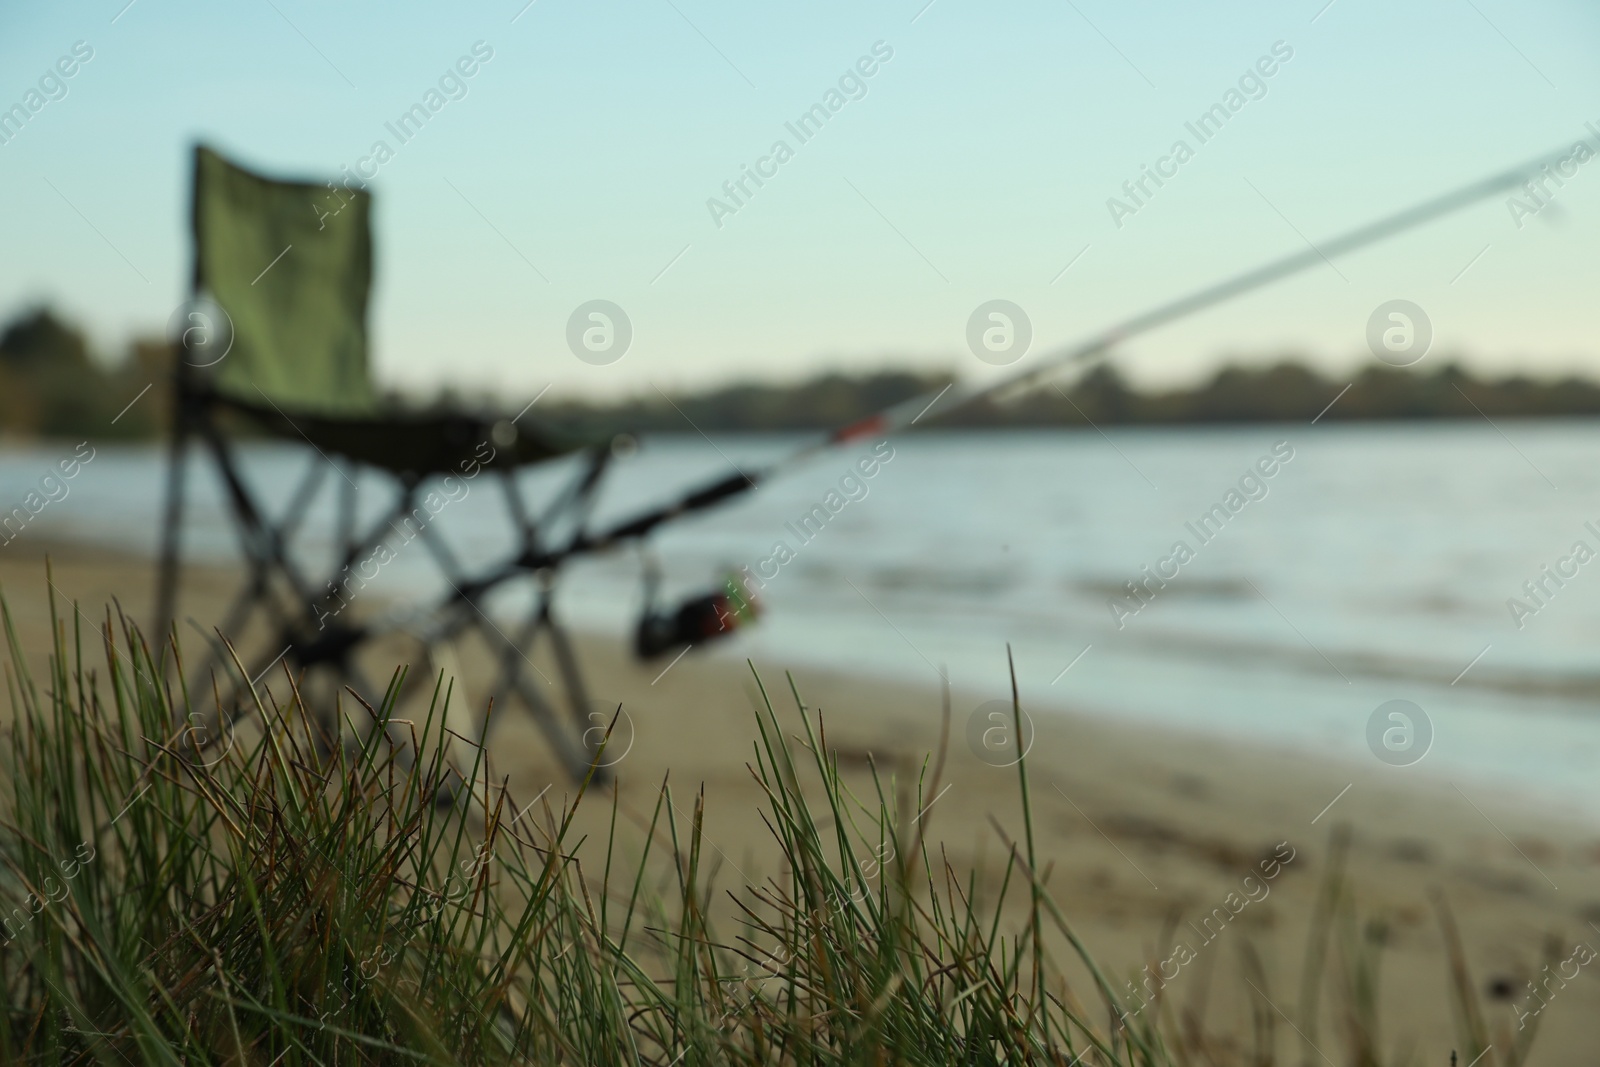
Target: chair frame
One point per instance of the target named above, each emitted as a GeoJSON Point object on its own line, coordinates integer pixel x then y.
{"type": "Point", "coordinates": [310, 641]}
{"type": "Point", "coordinates": [411, 451]}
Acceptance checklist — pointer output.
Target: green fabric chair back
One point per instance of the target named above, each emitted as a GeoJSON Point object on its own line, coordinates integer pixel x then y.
{"type": "Point", "coordinates": [291, 264]}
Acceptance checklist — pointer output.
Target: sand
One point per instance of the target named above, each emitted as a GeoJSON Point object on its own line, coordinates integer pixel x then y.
{"type": "Point", "coordinates": [1139, 828]}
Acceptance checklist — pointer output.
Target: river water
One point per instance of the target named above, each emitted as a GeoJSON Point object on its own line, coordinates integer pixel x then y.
{"type": "Point", "coordinates": [1374, 563]}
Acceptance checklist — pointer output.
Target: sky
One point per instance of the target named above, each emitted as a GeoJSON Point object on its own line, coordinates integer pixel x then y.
{"type": "Point", "coordinates": [581, 160]}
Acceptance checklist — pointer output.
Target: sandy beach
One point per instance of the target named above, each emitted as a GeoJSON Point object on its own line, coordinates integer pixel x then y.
{"type": "Point", "coordinates": [1143, 832]}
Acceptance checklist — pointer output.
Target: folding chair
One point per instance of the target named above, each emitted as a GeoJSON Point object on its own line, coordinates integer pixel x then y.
{"type": "Point", "coordinates": [287, 357]}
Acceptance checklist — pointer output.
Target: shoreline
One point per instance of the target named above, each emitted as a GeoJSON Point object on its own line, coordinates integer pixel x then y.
{"type": "Point", "coordinates": [1059, 714]}
{"type": "Point", "coordinates": [1139, 829]}
{"type": "Point", "coordinates": [1428, 775]}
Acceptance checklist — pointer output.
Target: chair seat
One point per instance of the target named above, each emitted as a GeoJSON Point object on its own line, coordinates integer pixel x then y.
{"type": "Point", "coordinates": [411, 444]}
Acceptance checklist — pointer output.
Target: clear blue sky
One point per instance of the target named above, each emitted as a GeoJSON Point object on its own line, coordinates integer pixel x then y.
{"type": "Point", "coordinates": [977, 165]}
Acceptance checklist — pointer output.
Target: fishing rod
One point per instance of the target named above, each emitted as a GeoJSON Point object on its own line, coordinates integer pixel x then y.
{"type": "Point", "coordinates": [904, 414]}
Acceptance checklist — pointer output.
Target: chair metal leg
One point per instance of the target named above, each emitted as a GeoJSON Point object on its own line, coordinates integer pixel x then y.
{"type": "Point", "coordinates": [575, 756]}
{"type": "Point", "coordinates": [571, 675]}
{"type": "Point", "coordinates": [265, 541]}
{"type": "Point", "coordinates": [172, 525]}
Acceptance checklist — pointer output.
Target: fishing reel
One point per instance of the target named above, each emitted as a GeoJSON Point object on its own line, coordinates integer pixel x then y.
{"type": "Point", "coordinates": [695, 620]}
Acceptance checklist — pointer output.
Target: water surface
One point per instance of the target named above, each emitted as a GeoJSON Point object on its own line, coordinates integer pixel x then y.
{"type": "Point", "coordinates": [1376, 563]}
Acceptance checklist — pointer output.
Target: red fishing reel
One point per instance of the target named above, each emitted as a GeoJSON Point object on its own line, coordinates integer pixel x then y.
{"type": "Point", "coordinates": [696, 620]}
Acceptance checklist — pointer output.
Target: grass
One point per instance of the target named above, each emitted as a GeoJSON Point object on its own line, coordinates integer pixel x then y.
{"type": "Point", "coordinates": [288, 900]}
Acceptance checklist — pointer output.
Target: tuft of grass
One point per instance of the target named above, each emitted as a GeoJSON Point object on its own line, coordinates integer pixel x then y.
{"type": "Point", "coordinates": [170, 896]}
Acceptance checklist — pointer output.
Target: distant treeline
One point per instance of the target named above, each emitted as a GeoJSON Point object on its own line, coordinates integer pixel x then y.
{"type": "Point", "coordinates": [1285, 392]}
{"type": "Point", "coordinates": [51, 384]}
